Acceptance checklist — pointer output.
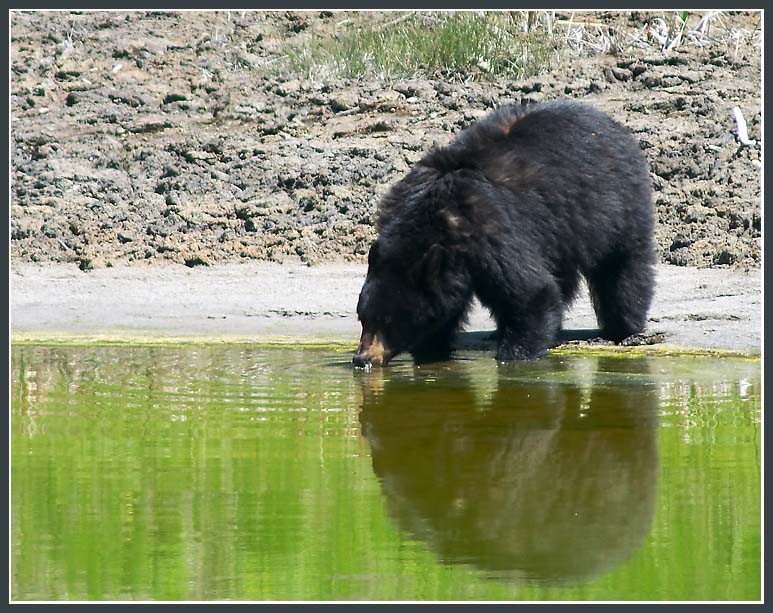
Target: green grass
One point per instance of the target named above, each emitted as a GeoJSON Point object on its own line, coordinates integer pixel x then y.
{"type": "Point", "coordinates": [425, 44]}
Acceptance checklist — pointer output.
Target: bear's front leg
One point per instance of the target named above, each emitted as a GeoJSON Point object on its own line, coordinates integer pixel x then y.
{"type": "Point", "coordinates": [527, 330]}
{"type": "Point", "coordinates": [437, 345]}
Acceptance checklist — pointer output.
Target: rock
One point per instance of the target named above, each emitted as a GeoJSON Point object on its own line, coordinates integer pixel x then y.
{"type": "Point", "coordinates": [618, 74]}
{"type": "Point", "coordinates": [344, 101]}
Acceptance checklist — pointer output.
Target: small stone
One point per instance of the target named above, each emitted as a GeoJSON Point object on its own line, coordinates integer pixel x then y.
{"type": "Point", "coordinates": [174, 97]}
{"type": "Point", "coordinates": [195, 260]}
{"type": "Point", "coordinates": [621, 74]}
{"type": "Point", "coordinates": [291, 87]}
{"type": "Point", "coordinates": [343, 102]}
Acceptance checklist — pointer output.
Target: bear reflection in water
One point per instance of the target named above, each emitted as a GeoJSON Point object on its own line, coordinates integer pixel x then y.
{"type": "Point", "coordinates": [548, 478]}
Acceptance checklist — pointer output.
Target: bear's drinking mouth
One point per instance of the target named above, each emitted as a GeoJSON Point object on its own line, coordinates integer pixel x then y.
{"type": "Point", "coordinates": [372, 351]}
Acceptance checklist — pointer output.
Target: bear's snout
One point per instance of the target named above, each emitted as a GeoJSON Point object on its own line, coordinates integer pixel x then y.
{"type": "Point", "coordinates": [361, 361]}
{"type": "Point", "coordinates": [371, 351]}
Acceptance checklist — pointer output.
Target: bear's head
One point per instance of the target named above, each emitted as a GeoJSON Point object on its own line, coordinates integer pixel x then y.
{"type": "Point", "coordinates": [414, 297]}
{"type": "Point", "coordinates": [418, 284]}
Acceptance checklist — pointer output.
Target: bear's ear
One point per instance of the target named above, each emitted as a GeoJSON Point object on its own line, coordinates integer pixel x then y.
{"type": "Point", "coordinates": [429, 267]}
{"type": "Point", "coordinates": [431, 271]}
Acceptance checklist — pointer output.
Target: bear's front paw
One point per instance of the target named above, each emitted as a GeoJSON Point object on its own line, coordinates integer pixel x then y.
{"type": "Point", "coordinates": [428, 357]}
{"type": "Point", "coordinates": [507, 352]}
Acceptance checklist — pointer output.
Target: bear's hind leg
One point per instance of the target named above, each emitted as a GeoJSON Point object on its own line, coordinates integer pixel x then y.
{"type": "Point", "coordinates": [621, 290]}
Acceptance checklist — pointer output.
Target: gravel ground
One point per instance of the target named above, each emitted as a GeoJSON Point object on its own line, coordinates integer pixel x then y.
{"type": "Point", "coordinates": [148, 137]}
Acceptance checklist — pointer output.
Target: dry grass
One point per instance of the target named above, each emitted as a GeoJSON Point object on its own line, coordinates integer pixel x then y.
{"type": "Point", "coordinates": [662, 32]}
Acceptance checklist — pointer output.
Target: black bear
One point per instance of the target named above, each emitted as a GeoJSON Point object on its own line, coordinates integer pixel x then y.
{"type": "Point", "coordinates": [513, 211]}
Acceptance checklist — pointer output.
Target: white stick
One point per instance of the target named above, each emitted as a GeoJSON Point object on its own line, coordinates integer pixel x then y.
{"type": "Point", "coordinates": [740, 123]}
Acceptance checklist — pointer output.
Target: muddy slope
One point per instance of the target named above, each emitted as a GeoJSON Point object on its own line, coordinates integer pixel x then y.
{"type": "Point", "coordinates": [154, 136]}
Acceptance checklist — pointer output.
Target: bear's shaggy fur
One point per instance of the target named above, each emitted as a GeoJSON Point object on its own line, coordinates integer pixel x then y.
{"type": "Point", "coordinates": [514, 210]}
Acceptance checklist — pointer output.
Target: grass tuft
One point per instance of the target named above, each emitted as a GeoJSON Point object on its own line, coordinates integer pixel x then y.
{"type": "Point", "coordinates": [465, 44]}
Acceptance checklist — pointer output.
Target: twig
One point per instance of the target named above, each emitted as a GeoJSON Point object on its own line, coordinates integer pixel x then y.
{"type": "Point", "coordinates": [737, 43]}
{"type": "Point", "coordinates": [674, 42]}
{"type": "Point", "coordinates": [570, 23]}
{"type": "Point", "coordinates": [351, 111]}
{"type": "Point", "coordinates": [740, 123]}
{"type": "Point", "coordinates": [381, 26]}
{"type": "Point", "coordinates": [705, 22]}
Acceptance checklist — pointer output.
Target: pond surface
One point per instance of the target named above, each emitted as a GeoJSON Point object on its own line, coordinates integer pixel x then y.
{"type": "Point", "coordinates": [232, 473]}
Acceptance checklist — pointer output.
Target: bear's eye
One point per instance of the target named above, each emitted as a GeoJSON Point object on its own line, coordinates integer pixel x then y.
{"type": "Point", "coordinates": [388, 320]}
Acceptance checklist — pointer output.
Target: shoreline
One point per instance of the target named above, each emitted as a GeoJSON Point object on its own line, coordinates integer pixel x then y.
{"type": "Point", "coordinates": [712, 311]}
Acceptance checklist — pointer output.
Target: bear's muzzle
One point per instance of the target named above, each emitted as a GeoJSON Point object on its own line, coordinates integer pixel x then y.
{"type": "Point", "coordinates": [372, 351]}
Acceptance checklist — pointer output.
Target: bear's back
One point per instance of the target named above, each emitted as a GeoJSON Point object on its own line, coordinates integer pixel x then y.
{"type": "Point", "coordinates": [555, 129]}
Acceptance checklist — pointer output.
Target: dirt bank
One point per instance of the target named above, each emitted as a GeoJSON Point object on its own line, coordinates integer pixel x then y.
{"type": "Point", "coordinates": [157, 136]}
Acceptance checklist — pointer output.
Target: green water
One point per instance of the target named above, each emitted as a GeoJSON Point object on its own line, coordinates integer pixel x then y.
{"type": "Point", "coordinates": [201, 473]}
